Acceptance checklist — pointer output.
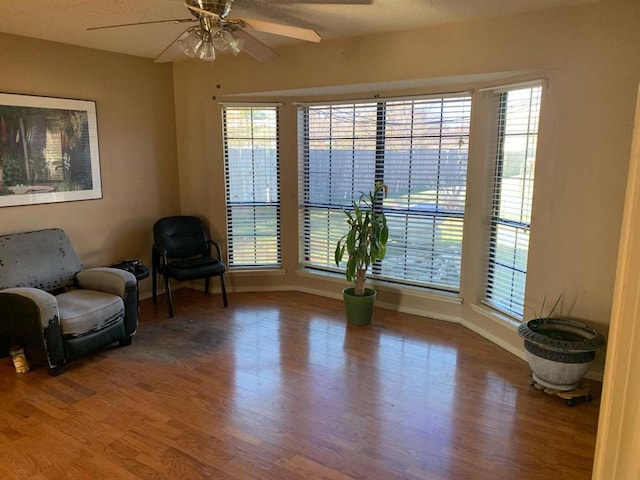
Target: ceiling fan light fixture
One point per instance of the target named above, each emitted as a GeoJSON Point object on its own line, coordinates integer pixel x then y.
{"type": "Point", "coordinates": [224, 40]}
{"type": "Point", "coordinates": [220, 42]}
{"type": "Point", "coordinates": [235, 44]}
{"type": "Point", "coordinates": [206, 52]}
{"type": "Point", "coordinates": [192, 41]}
{"type": "Point", "coordinates": [198, 43]}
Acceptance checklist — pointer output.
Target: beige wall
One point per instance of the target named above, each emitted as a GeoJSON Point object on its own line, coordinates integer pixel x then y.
{"type": "Point", "coordinates": [591, 58]}
{"type": "Point", "coordinates": [618, 442]}
{"type": "Point", "coordinates": [136, 134]}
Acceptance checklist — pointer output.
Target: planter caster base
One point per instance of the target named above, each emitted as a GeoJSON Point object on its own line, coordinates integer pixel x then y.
{"type": "Point", "coordinates": [581, 393]}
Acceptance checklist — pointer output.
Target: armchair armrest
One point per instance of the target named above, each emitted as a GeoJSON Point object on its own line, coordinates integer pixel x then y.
{"type": "Point", "coordinates": [107, 279]}
{"type": "Point", "coordinates": [33, 312]}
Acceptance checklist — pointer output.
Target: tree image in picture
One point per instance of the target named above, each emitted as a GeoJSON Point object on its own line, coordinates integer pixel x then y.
{"type": "Point", "coordinates": [43, 150]}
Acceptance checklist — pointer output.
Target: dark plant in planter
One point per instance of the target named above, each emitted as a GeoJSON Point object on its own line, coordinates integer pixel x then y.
{"type": "Point", "coordinates": [366, 241]}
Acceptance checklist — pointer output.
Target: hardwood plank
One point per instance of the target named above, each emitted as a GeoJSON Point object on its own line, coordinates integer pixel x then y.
{"type": "Point", "coordinates": [276, 386]}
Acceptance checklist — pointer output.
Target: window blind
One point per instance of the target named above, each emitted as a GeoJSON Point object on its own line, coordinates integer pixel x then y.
{"type": "Point", "coordinates": [419, 149]}
{"type": "Point", "coordinates": [516, 126]}
{"type": "Point", "coordinates": [251, 160]}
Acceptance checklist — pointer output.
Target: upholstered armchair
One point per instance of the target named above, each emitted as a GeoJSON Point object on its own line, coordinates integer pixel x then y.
{"type": "Point", "coordinates": [55, 308]}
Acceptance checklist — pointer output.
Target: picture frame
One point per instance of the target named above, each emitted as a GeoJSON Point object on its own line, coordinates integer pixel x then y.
{"type": "Point", "coordinates": [48, 150]}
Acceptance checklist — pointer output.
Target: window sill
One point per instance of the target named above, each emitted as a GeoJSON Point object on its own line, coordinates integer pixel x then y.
{"type": "Point", "coordinates": [256, 272]}
{"type": "Point", "coordinates": [496, 316]}
{"type": "Point", "coordinates": [421, 292]}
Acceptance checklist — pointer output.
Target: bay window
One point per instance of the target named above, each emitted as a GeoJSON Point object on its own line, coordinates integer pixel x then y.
{"type": "Point", "coordinates": [418, 147]}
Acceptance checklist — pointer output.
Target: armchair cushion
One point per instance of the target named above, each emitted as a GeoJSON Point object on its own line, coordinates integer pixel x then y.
{"type": "Point", "coordinates": [86, 311]}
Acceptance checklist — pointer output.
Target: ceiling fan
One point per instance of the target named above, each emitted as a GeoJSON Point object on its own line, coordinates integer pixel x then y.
{"type": "Point", "coordinates": [216, 31]}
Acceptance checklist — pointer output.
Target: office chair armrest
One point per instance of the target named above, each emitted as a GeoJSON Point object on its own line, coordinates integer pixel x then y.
{"type": "Point", "coordinates": [158, 255]}
{"type": "Point", "coordinates": [33, 313]}
{"type": "Point", "coordinates": [217, 247]}
{"type": "Point", "coordinates": [159, 249]}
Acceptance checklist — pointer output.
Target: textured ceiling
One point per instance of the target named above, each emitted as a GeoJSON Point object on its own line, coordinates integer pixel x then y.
{"type": "Point", "coordinates": [67, 21]}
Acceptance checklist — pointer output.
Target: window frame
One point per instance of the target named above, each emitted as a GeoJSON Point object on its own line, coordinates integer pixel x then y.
{"type": "Point", "coordinates": [256, 205]}
{"type": "Point", "coordinates": [513, 303]}
{"type": "Point", "coordinates": [381, 137]}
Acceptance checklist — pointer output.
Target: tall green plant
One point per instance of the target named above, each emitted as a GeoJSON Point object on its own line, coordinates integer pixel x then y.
{"type": "Point", "coordinates": [366, 241]}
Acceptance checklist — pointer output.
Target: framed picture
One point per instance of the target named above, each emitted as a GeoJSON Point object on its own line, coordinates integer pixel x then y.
{"type": "Point", "coordinates": [48, 150]}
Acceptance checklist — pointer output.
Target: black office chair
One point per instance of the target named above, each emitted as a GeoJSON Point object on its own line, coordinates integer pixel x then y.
{"type": "Point", "coordinates": [182, 250]}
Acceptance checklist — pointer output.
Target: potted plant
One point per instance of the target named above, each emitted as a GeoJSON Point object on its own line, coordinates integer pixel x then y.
{"type": "Point", "coordinates": [365, 243]}
{"type": "Point", "coordinates": [559, 351]}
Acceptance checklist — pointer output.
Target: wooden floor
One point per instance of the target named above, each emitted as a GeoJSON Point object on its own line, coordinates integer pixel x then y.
{"type": "Point", "coordinates": [277, 387]}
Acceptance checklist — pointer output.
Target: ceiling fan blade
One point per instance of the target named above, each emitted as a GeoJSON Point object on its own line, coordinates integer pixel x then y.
{"type": "Point", "coordinates": [171, 51]}
{"type": "Point", "coordinates": [175, 20]}
{"type": "Point", "coordinates": [200, 11]}
{"type": "Point", "coordinates": [255, 48]}
{"type": "Point", "coordinates": [327, 2]}
{"type": "Point", "coordinates": [281, 29]}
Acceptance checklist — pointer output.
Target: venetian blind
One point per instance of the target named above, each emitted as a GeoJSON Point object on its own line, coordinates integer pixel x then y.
{"type": "Point", "coordinates": [251, 158]}
{"type": "Point", "coordinates": [418, 147]}
{"type": "Point", "coordinates": [516, 126]}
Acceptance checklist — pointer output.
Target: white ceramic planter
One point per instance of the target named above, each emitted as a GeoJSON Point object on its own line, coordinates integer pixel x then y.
{"type": "Point", "coordinates": [559, 351]}
{"type": "Point", "coordinates": [556, 375]}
